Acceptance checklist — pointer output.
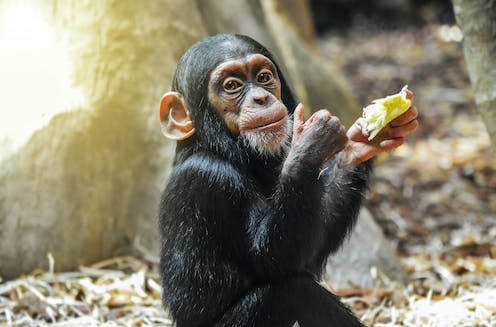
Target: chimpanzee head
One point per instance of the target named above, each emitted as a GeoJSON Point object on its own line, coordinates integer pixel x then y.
{"type": "Point", "coordinates": [228, 92]}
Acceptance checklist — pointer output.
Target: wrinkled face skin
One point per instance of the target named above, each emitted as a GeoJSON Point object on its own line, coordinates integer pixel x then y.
{"type": "Point", "coordinates": [246, 92]}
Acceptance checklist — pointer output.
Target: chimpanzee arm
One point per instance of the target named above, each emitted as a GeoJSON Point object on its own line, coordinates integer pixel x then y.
{"type": "Point", "coordinates": [345, 188]}
{"type": "Point", "coordinates": [287, 231]}
{"type": "Point", "coordinates": [344, 191]}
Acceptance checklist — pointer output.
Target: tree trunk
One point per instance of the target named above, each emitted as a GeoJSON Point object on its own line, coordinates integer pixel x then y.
{"type": "Point", "coordinates": [477, 19]}
{"type": "Point", "coordinates": [88, 183]}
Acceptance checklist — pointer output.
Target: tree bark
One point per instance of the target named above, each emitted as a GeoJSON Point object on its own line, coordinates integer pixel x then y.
{"type": "Point", "coordinates": [477, 20]}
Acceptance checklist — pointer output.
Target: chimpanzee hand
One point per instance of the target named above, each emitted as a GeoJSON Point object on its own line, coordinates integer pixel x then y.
{"type": "Point", "coordinates": [360, 149]}
{"type": "Point", "coordinates": [314, 141]}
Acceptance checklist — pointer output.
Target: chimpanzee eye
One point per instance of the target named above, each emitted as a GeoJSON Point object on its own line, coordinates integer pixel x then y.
{"type": "Point", "coordinates": [232, 85]}
{"type": "Point", "coordinates": [265, 76]}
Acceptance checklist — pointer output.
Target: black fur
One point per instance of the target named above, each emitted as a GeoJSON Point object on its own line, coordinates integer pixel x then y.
{"type": "Point", "coordinates": [243, 244]}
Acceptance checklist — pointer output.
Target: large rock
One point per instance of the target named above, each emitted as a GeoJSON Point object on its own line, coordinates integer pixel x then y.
{"type": "Point", "coordinates": [365, 251]}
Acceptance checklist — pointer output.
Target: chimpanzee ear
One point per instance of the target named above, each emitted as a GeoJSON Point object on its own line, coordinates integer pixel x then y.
{"type": "Point", "coordinates": [174, 117]}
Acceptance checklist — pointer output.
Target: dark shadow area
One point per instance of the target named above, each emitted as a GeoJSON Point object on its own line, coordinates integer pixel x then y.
{"type": "Point", "coordinates": [379, 15]}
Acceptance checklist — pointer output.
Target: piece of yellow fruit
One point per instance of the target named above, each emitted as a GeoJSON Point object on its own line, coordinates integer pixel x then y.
{"type": "Point", "coordinates": [382, 111]}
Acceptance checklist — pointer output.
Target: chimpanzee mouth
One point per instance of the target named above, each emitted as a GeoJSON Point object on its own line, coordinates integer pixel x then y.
{"type": "Point", "coordinates": [272, 125]}
{"type": "Point", "coordinates": [273, 118]}
{"type": "Point", "coordinates": [272, 138]}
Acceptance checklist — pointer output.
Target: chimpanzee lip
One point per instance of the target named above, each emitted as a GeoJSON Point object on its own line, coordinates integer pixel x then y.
{"type": "Point", "coordinates": [268, 119]}
{"type": "Point", "coordinates": [271, 124]}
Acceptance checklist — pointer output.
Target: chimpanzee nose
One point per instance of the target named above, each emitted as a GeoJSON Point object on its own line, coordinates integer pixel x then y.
{"type": "Point", "coordinates": [260, 97]}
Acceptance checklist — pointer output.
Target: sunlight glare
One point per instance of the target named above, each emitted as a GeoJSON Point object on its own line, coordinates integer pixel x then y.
{"type": "Point", "coordinates": [35, 74]}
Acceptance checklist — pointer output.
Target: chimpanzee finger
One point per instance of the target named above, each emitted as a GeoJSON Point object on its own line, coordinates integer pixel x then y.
{"type": "Point", "coordinates": [408, 116]}
{"type": "Point", "coordinates": [409, 94]}
{"type": "Point", "coordinates": [403, 130]}
{"type": "Point", "coordinates": [391, 144]}
{"type": "Point", "coordinates": [298, 119]}
{"type": "Point", "coordinates": [363, 125]}
{"type": "Point", "coordinates": [358, 131]}
{"type": "Point", "coordinates": [317, 119]}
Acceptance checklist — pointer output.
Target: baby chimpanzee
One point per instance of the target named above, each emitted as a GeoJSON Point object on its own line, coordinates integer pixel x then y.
{"type": "Point", "coordinates": [258, 197]}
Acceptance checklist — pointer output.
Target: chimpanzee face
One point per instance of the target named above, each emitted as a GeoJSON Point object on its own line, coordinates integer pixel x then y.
{"type": "Point", "coordinates": [228, 88]}
{"type": "Point", "coordinates": [246, 93]}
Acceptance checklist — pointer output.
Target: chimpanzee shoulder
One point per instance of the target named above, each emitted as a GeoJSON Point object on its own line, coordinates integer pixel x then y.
{"type": "Point", "coordinates": [206, 172]}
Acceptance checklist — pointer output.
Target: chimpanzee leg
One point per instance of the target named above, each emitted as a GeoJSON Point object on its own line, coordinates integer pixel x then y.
{"type": "Point", "coordinates": [282, 304]}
